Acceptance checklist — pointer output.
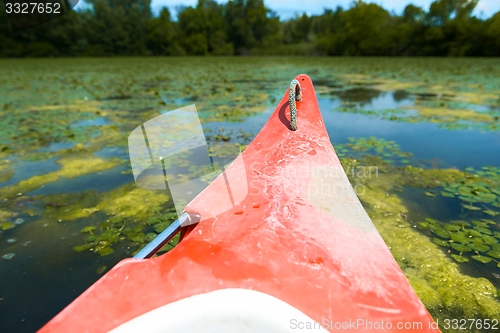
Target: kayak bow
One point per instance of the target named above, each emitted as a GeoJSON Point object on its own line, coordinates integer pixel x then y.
{"type": "Point", "coordinates": [297, 250]}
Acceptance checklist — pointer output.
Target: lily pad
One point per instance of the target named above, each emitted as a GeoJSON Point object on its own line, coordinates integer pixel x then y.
{"type": "Point", "coordinates": [447, 194]}
{"type": "Point", "coordinates": [424, 225]}
{"type": "Point", "coordinates": [471, 207]}
{"type": "Point", "coordinates": [473, 232]}
{"type": "Point", "coordinates": [480, 224]}
{"type": "Point", "coordinates": [441, 242]}
{"type": "Point", "coordinates": [441, 233]}
{"type": "Point", "coordinates": [490, 212]}
{"type": "Point", "coordinates": [88, 229]}
{"type": "Point", "coordinates": [104, 251]}
{"type": "Point", "coordinates": [81, 248]}
{"type": "Point", "coordinates": [469, 199]}
{"type": "Point", "coordinates": [489, 240]}
{"type": "Point", "coordinates": [459, 237]}
{"type": "Point", "coordinates": [140, 238]}
{"type": "Point", "coordinates": [431, 221]}
{"type": "Point", "coordinates": [494, 254]}
{"type": "Point", "coordinates": [459, 259]}
{"type": "Point", "coordinates": [482, 259]}
{"type": "Point", "coordinates": [460, 222]}
{"type": "Point", "coordinates": [484, 230]}
{"type": "Point", "coordinates": [452, 227]}
{"type": "Point", "coordinates": [487, 197]}
{"type": "Point", "coordinates": [101, 269]}
{"type": "Point", "coordinates": [461, 247]}
{"type": "Point", "coordinates": [477, 240]}
{"type": "Point", "coordinates": [149, 237]}
{"type": "Point", "coordinates": [153, 220]}
{"type": "Point", "coordinates": [159, 227]}
{"type": "Point", "coordinates": [429, 194]}
{"type": "Point", "coordinates": [479, 247]}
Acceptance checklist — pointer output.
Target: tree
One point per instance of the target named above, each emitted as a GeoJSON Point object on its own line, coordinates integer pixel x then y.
{"type": "Point", "coordinates": [441, 11]}
{"type": "Point", "coordinates": [492, 36]}
{"type": "Point", "coordinates": [249, 25]}
{"type": "Point", "coordinates": [161, 35]}
{"type": "Point", "coordinates": [451, 28]}
{"type": "Point", "coordinates": [204, 29]}
{"type": "Point", "coordinates": [118, 27]}
{"type": "Point", "coordinates": [297, 30]}
{"type": "Point", "coordinates": [361, 30]}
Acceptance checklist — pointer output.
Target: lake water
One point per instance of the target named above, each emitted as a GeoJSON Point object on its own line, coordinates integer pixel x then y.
{"type": "Point", "coordinates": [63, 144]}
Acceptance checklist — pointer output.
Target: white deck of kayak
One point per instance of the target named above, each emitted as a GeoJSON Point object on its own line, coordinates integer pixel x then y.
{"type": "Point", "coordinates": [226, 310]}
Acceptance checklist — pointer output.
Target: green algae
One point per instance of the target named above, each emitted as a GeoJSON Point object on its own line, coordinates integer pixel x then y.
{"type": "Point", "coordinates": [451, 106]}
{"type": "Point", "coordinates": [27, 130]}
{"type": "Point", "coordinates": [446, 115]}
{"type": "Point", "coordinates": [445, 291]}
{"type": "Point", "coordinates": [7, 225]}
{"type": "Point", "coordinates": [71, 167]}
{"type": "Point", "coordinates": [434, 274]}
{"type": "Point", "coordinates": [5, 175]}
{"type": "Point", "coordinates": [382, 150]}
{"type": "Point", "coordinates": [450, 119]}
{"type": "Point", "coordinates": [135, 215]}
{"type": "Point", "coordinates": [126, 201]}
{"type": "Point", "coordinates": [471, 185]}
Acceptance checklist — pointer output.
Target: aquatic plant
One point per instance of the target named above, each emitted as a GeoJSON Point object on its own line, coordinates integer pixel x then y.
{"type": "Point", "coordinates": [434, 274]}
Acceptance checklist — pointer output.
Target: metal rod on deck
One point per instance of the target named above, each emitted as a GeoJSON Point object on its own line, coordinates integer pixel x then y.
{"type": "Point", "coordinates": [156, 244]}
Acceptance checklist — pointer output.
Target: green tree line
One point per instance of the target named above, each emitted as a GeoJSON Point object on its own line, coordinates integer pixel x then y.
{"type": "Point", "coordinates": [241, 27]}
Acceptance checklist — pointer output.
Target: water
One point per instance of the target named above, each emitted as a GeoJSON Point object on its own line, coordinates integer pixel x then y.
{"type": "Point", "coordinates": [426, 141]}
{"type": "Point", "coordinates": [46, 274]}
{"type": "Point", "coordinates": [25, 170]}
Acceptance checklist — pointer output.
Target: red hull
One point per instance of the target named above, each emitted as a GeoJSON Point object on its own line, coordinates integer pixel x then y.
{"type": "Point", "coordinates": [300, 235]}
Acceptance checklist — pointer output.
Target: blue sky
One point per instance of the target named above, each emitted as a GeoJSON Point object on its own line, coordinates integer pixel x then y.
{"type": "Point", "coordinates": [289, 8]}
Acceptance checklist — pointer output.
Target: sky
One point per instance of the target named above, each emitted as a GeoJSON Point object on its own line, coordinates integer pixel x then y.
{"type": "Point", "coordinates": [289, 8]}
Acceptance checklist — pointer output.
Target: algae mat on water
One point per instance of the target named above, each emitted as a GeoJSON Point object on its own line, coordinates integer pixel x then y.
{"type": "Point", "coordinates": [64, 125]}
{"type": "Point", "coordinates": [446, 292]}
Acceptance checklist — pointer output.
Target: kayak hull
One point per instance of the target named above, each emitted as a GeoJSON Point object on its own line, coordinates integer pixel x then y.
{"type": "Point", "coordinates": [298, 233]}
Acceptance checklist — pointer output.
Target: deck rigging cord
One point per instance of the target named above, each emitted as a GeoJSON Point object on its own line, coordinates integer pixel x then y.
{"type": "Point", "coordinates": [295, 94]}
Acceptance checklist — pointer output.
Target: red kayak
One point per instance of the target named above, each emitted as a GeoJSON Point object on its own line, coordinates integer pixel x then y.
{"type": "Point", "coordinates": [296, 251]}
